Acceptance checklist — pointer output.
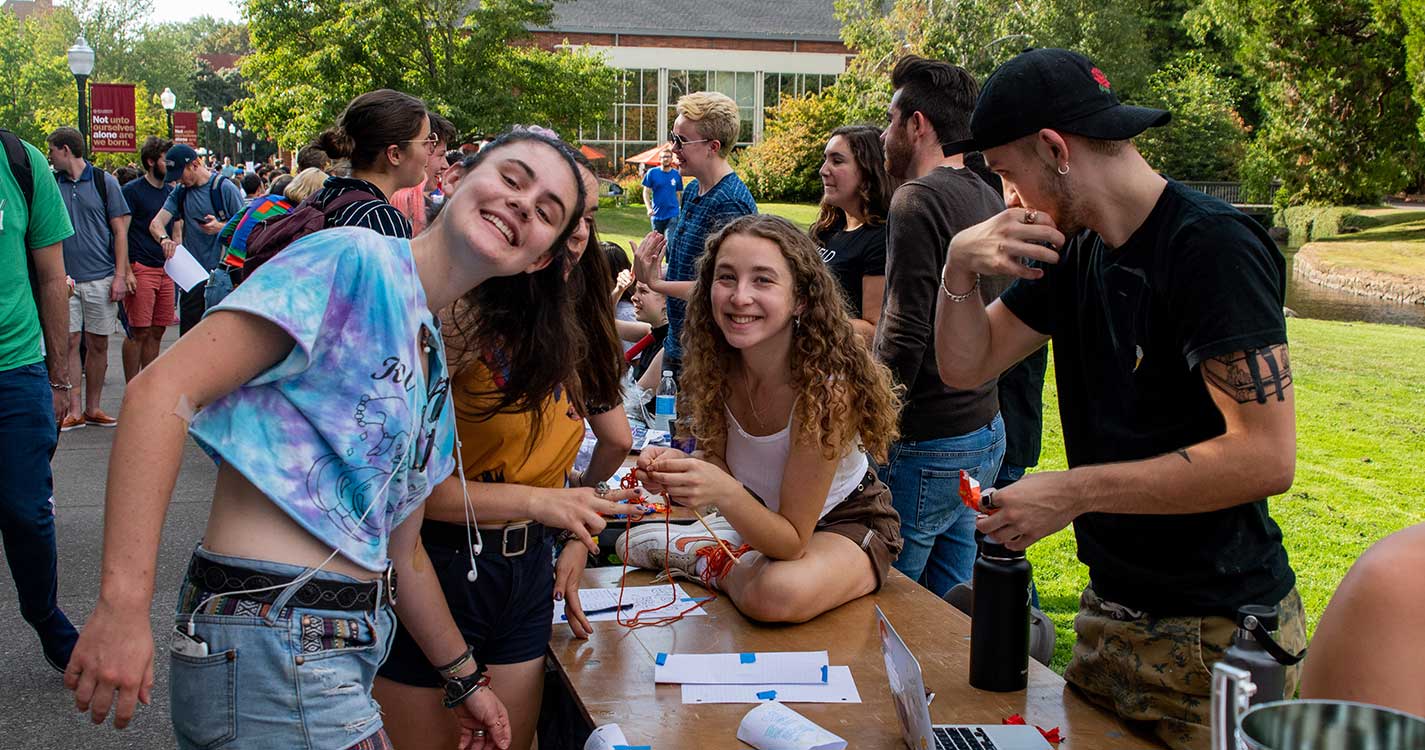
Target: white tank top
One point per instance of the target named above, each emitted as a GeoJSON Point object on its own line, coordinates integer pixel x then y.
{"type": "Point", "coordinates": [759, 462]}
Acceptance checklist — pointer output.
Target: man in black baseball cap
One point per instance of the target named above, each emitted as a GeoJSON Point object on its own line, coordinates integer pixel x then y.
{"type": "Point", "coordinates": [1164, 306]}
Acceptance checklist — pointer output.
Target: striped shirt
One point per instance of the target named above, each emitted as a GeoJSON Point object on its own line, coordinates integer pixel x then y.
{"type": "Point", "coordinates": [377, 214]}
{"type": "Point", "coordinates": [702, 216]}
{"type": "Point", "coordinates": [234, 234]}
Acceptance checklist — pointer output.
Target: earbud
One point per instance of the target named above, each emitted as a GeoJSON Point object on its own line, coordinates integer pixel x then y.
{"type": "Point", "coordinates": [470, 576]}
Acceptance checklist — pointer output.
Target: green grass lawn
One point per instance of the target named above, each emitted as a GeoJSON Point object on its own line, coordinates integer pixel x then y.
{"type": "Point", "coordinates": [1360, 404]}
{"type": "Point", "coordinates": [1396, 248]}
{"type": "Point", "coordinates": [630, 223]}
{"type": "Point", "coordinates": [1360, 394]}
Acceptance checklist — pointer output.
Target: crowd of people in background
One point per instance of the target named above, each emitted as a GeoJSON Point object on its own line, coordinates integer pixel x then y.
{"type": "Point", "coordinates": [396, 377]}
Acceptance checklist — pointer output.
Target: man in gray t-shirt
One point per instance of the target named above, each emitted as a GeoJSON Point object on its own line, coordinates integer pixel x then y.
{"type": "Point", "coordinates": [204, 200]}
{"type": "Point", "coordinates": [97, 258]}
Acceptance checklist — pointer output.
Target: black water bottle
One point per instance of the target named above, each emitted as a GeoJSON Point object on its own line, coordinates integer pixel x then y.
{"type": "Point", "coordinates": [1247, 652]}
{"type": "Point", "coordinates": [999, 628]}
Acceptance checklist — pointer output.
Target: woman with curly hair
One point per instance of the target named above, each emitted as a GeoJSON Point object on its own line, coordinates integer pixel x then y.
{"type": "Point", "coordinates": [785, 405]}
{"type": "Point", "coordinates": [856, 195]}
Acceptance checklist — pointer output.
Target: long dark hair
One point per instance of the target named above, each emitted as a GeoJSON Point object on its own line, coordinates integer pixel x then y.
{"type": "Point", "coordinates": [600, 381]}
{"type": "Point", "coordinates": [527, 320]}
{"type": "Point", "coordinates": [618, 263]}
{"type": "Point", "coordinates": [370, 123]}
{"type": "Point", "coordinates": [875, 187]}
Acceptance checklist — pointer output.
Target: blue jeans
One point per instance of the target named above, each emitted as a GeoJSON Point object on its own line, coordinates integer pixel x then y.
{"type": "Point", "coordinates": [1008, 474]}
{"type": "Point", "coordinates": [661, 225]}
{"type": "Point", "coordinates": [27, 441]}
{"type": "Point", "coordinates": [939, 531]}
{"type": "Point", "coordinates": [275, 675]}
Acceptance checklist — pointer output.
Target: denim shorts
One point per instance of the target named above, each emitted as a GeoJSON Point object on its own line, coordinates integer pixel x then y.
{"type": "Point", "coordinates": [275, 675]}
{"type": "Point", "coordinates": [507, 615]}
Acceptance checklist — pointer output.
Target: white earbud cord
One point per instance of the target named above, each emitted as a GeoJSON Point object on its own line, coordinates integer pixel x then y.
{"type": "Point", "coordinates": [476, 545]}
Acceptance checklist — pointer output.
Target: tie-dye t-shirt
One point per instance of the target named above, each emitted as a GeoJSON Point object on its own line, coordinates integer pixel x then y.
{"type": "Point", "coordinates": [322, 431]}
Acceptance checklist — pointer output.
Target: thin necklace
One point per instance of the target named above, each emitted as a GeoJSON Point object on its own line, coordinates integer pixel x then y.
{"type": "Point", "coordinates": [752, 404]}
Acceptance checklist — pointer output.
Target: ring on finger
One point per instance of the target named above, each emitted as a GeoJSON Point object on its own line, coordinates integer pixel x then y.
{"type": "Point", "coordinates": [1031, 216]}
{"type": "Point", "coordinates": [601, 489]}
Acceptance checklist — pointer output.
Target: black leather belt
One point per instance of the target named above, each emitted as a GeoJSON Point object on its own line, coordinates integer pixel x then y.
{"type": "Point", "coordinates": [510, 540]}
{"type": "Point", "coordinates": [219, 578]}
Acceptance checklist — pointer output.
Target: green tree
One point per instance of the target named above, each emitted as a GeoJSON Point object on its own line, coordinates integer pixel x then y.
{"type": "Point", "coordinates": [1412, 14]}
{"type": "Point", "coordinates": [1207, 139]}
{"type": "Point", "coordinates": [1338, 122]}
{"type": "Point", "coordinates": [783, 166]}
{"type": "Point", "coordinates": [469, 61]}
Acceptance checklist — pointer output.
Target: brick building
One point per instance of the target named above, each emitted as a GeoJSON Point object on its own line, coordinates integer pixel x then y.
{"type": "Point", "coordinates": [752, 50]}
{"type": "Point", "coordinates": [23, 9]}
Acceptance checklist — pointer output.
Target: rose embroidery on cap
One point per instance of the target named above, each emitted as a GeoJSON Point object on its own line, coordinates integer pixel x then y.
{"type": "Point", "coordinates": [1101, 79]}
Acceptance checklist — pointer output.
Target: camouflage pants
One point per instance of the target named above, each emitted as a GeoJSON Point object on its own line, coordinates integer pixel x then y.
{"type": "Point", "coordinates": [1159, 669]}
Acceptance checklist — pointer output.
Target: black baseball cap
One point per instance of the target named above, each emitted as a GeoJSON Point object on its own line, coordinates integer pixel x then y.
{"type": "Point", "coordinates": [177, 159]}
{"type": "Point", "coordinates": [1051, 88]}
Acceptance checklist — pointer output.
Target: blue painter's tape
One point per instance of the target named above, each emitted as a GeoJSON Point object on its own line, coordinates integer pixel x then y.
{"type": "Point", "coordinates": [823, 672]}
{"type": "Point", "coordinates": [767, 695]}
{"type": "Point", "coordinates": [696, 599]}
{"type": "Point", "coordinates": [633, 747]}
{"type": "Point", "coordinates": [661, 659]}
{"type": "Point", "coordinates": [749, 658]}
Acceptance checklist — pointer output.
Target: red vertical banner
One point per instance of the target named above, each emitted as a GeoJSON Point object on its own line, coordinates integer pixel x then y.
{"type": "Point", "coordinates": [113, 123]}
{"type": "Point", "coordinates": [185, 128]}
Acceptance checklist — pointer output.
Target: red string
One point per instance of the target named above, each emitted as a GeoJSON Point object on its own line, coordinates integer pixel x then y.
{"type": "Point", "coordinates": [630, 482]}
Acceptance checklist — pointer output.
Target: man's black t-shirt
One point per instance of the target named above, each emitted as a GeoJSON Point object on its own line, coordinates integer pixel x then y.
{"type": "Point", "coordinates": [852, 255]}
{"type": "Point", "coordinates": [145, 201]}
{"type": "Point", "coordinates": [1130, 328]}
{"type": "Point", "coordinates": [645, 357]}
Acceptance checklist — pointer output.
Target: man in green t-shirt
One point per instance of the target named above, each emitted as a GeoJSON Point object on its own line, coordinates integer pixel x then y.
{"type": "Point", "coordinates": [34, 392]}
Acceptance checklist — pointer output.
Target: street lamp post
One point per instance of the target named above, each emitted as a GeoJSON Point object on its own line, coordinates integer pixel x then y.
{"type": "Point", "coordinates": [231, 141]}
{"type": "Point", "coordinates": [222, 139]}
{"type": "Point", "coordinates": [239, 145]}
{"type": "Point", "coordinates": [207, 117]}
{"type": "Point", "coordinates": [81, 64]}
{"type": "Point", "coordinates": [169, 101]}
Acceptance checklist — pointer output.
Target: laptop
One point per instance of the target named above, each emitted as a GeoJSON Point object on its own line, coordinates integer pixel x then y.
{"type": "Point", "coordinates": [908, 692]}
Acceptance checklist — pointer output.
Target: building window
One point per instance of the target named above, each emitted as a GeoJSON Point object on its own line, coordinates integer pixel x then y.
{"type": "Point", "coordinates": [739, 86]}
{"type": "Point", "coordinates": [777, 85]}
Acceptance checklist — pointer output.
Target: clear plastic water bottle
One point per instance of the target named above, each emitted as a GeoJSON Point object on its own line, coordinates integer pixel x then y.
{"type": "Point", "coordinates": [665, 403]}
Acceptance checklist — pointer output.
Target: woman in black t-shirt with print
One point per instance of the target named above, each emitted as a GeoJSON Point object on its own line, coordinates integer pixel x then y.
{"type": "Point", "coordinates": [852, 227]}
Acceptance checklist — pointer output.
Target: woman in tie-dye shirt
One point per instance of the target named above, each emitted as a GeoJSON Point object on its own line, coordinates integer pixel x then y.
{"type": "Point", "coordinates": [320, 386]}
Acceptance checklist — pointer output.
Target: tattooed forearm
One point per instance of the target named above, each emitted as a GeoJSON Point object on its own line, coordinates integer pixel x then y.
{"type": "Point", "coordinates": [1254, 375]}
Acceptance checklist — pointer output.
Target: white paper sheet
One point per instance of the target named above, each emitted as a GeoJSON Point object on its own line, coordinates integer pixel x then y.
{"type": "Point", "coordinates": [641, 597]}
{"type": "Point", "coordinates": [184, 269]}
{"type": "Point", "coordinates": [773, 726]}
{"type": "Point", "coordinates": [839, 688]}
{"type": "Point", "coordinates": [763, 668]}
{"type": "Point", "coordinates": [610, 737]}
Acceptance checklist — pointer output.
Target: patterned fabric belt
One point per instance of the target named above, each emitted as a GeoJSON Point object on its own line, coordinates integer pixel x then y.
{"type": "Point", "coordinates": [218, 578]}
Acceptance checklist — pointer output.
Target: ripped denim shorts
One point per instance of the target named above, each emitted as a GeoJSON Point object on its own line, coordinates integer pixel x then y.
{"type": "Point", "coordinates": [277, 673]}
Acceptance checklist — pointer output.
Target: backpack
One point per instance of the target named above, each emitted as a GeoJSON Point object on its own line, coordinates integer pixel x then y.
{"type": "Point", "coordinates": [20, 167]}
{"type": "Point", "coordinates": [215, 199]}
{"type": "Point", "coordinates": [272, 235]}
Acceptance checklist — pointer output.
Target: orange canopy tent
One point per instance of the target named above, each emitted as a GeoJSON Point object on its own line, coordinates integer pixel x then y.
{"type": "Point", "coordinates": [592, 153]}
{"type": "Point", "coordinates": [649, 157]}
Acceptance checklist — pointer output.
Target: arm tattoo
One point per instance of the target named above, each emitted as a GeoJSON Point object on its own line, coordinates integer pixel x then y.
{"type": "Point", "coordinates": [1253, 375]}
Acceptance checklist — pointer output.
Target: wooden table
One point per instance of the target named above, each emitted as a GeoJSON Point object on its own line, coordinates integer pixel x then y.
{"type": "Point", "coordinates": [611, 674]}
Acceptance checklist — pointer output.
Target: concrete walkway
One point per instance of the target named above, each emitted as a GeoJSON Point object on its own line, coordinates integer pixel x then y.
{"type": "Point", "coordinates": [35, 709]}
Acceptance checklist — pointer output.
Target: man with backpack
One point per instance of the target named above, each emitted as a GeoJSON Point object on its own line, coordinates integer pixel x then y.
{"type": "Point", "coordinates": [204, 201]}
{"type": "Point", "coordinates": [97, 258]}
{"type": "Point", "coordinates": [34, 384]}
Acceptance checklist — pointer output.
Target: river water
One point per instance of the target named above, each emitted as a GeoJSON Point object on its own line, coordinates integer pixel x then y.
{"type": "Point", "coordinates": [1311, 300]}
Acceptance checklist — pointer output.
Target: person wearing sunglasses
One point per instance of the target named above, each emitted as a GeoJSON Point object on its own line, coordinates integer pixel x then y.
{"type": "Point", "coordinates": [321, 387]}
{"type": "Point", "coordinates": [388, 138]}
{"type": "Point", "coordinates": [702, 138]}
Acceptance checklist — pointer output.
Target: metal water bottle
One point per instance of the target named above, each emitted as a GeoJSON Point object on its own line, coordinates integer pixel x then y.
{"type": "Point", "coordinates": [999, 627]}
{"type": "Point", "coordinates": [1247, 652]}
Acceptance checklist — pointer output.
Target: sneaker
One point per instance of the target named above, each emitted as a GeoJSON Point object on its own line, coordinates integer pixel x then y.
{"type": "Point", "coordinates": [100, 419]}
{"type": "Point", "coordinates": [57, 639]}
{"type": "Point", "coordinates": [649, 546]}
{"type": "Point", "coordinates": [71, 423]}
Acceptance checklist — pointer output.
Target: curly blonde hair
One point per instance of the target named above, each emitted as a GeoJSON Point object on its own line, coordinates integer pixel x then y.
{"type": "Point", "coordinates": [842, 391]}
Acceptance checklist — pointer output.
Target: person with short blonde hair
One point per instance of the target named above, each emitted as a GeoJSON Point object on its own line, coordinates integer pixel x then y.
{"type": "Point", "coordinates": [714, 116]}
{"type": "Point", "coordinates": [703, 135]}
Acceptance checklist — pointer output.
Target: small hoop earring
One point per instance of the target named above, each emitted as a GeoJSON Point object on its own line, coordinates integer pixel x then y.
{"type": "Point", "coordinates": [1063, 169]}
{"type": "Point", "coordinates": [797, 322]}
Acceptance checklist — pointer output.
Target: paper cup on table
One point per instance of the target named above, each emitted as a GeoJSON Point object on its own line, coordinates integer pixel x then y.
{"type": "Point", "coordinates": [773, 726]}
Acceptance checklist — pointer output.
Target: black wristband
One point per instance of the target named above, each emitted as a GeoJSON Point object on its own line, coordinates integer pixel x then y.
{"type": "Point", "coordinates": [457, 689]}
